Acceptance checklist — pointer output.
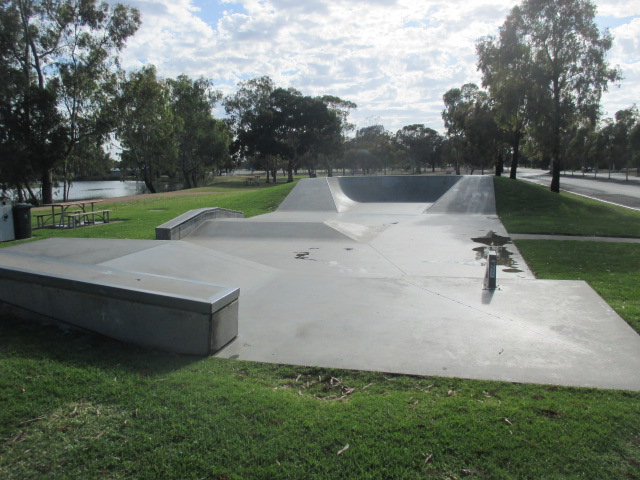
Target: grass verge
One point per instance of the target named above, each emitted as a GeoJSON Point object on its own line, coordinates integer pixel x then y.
{"type": "Point", "coordinates": [137, 218]}
{"type": "Point", "coordinates": [78, 406]}
{"type": "Point", "coordinates": [528, 208]}
{"type": "Point", "coordinates": [81, 406]}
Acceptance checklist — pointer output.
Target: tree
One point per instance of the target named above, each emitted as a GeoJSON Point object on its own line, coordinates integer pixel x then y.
{"type": "Point", "coordinates": [562, 48]}
{"type": "Point", "coordinates": [203, 141]}
{"type": "Point", "coordinates": [506, 73]}
{"type": "Point", "coordinates": [422, 145]}
{"type": "Point", "coordinates": [470, 120]}
{"type": "Point", "coordinates": [614, 139]}
{"type": "Point", "coordinates": [250, 115]}
{"type": "Point", "coordinates": [70, 49]}
{"type": "Point", "coordinates": [32, 137]}
{"type": "Point", "coordinates": [147, 128]}
{"type": "Point", "coordinates": [333, 146]}
{"type": "Point", "coordinates": [369, 150]}
{"type": "Point", "coordinates": [276, 123]}
{"type": "Point", "coordinates": [634, 144]}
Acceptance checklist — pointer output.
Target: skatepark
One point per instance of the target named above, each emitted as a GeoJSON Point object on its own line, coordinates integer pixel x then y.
{"type": "Point", "coordinates": [369, 273]}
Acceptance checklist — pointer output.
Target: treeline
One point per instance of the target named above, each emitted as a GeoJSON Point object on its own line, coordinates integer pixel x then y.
{"type": "Point", "coordinates": [545, 73]}
{"type": "Point", "coordinates": [64, 98]}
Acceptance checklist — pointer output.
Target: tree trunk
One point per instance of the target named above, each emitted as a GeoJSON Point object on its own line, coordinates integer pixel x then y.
{"type": "Point", "coordinates": [47, 186]}
{"type": "Point", "coordinates": [555, 173]}
{"type": "Point", "coordinates": [516, 155]}
{"type": "Point", "coordinates": [149, 184]}
{"type": "Point", "coordinates": [555, 152]}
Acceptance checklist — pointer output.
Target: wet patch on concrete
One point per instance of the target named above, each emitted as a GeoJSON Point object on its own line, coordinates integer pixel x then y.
{"type": "Point", "coordinates": [492, 239]}
{"type": "Point", "coordinates": [497, 243]}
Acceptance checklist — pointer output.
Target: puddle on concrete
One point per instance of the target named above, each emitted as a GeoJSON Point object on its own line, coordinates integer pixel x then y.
{"type": "Point", "coordinates": [492, 239]}
{"type": "Point", "coordinates": [496, 242]}
{"type": "Point", "coordinates": [304, 255]}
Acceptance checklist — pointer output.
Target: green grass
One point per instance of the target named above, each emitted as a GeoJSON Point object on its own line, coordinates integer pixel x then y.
{"type": "Point", "coordinates": [612, 269]}
{"type": "Point", "coordinates": [528, 208]}
{"type": "Point", "coordinates": [138, 218]}
{"type": "Point", "coordinates": [81, 406]}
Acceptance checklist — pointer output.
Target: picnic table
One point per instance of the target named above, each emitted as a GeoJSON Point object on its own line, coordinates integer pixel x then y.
{"type": "Point", "coordinates": [255, 180]}
{"type": "Point", "coordinates": [72, 214]}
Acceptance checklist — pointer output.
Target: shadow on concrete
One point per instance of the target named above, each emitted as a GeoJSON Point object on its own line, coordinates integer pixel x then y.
{"type": "Point", "coordinates": [487, 296]}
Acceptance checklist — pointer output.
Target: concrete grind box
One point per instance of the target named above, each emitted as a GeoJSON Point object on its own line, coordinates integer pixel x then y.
{"type": "Point", "coordinates": [143, 316]}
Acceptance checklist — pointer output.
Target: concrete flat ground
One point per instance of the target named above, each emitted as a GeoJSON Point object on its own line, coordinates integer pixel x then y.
{"type": "Point", "coordinates": [390, 286]}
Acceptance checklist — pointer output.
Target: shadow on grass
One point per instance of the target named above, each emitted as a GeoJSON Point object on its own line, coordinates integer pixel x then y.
{"type": "Point", "coordinates": [82, 349]}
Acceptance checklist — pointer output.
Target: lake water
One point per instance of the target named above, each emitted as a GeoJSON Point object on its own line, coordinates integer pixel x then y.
{"type": "Point", "coordinates": [108, 189]}
{"type": "Point", "coordinates": [101, 189]}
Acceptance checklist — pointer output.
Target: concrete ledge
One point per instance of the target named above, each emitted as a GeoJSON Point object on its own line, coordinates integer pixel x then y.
{"type": "Point", "coordinates": [186, 223]}
{"type": "Point", "coordinates": [161, 312]}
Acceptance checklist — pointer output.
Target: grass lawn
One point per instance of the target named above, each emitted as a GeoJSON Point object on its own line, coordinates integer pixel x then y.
{"type": "Point", "coordinates": [81, 406]}
{"type": "Point", "coordinates": [138, 217]}
{"type": "Point", "coordinates": [528, 208]}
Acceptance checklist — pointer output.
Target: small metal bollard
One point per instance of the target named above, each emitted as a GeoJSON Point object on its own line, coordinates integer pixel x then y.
{"type": "Point", "coordinates": [492, 267]}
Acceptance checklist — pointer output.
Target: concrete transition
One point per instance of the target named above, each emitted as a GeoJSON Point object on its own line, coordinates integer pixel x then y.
{"type": "Point", "coordinates": [371, 273]}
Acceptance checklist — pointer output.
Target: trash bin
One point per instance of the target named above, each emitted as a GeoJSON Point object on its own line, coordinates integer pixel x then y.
{"type": "Point", "coordinates": [7, 232]}
{"type": "Point", "coordinates": [22, 220]}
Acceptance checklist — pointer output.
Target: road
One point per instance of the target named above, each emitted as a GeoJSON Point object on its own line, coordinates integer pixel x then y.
{"type": "Point", "coordinates": [615, 190]}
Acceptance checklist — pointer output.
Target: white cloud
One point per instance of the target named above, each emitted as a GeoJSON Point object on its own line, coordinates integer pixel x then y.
{"type": "Point", "coordinates": [395, 59]}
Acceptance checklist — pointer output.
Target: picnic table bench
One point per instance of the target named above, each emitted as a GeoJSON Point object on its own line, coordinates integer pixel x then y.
{"type": "Point", "coordinates": [72, 214]}
{"type": "Point", "coordinates": [255, 180]}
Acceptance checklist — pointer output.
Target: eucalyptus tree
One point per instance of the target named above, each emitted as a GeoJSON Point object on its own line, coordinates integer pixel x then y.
{"type": "Point", "coordinates": [250, 116]}
{"type": "Point", "coordinates": [203, 141]}
{"type": "Point", "coordinates": [470, 122]}
{"type": "Point", "coordinates": [564, 52]}
{"type": "Point", "coordinates": [147, 130]}
{"type": "Point", "coordinates": [276, 124]}
{"type": "Point", "coordinates": [634, 144]}
{"type": "Point", "coordinates": [66, 50]}
{"type": "Point", "coordinates": [422, 145]}
{"type": "Point", "coordinates": [334, 145]}
{"type": "Point", "coordinates": [614, 139]}
{"type": "Point", "coordinates": [507, 75]}
{"type": "Point", "coordinates": [370, 149]}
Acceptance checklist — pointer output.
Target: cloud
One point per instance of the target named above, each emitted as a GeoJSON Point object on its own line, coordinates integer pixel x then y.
{"type": "Point", "coordinates": [395, 59]}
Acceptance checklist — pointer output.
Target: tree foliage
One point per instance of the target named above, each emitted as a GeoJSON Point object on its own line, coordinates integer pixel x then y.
{"type": "Point", "coordinates": [147, 129]}
{"type": "Point", "coordinates": [422, 145]}
{"type": "Point", "coordinates": [203, 141]}
{"type": "Point", "coordinates": [559, 46]}
{"type": "Point", "coordinates": [282, 127]}
{"type": "Point", "coordinates": [58, 55]}
{"type": "Point", "coordinates": [470, 121]}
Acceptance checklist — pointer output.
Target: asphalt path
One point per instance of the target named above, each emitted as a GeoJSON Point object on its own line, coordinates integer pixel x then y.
{"type": "Point", "coordinates": [617, 189]}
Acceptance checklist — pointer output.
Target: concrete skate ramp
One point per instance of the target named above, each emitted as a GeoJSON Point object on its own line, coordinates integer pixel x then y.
{"type": "Point", "coordinates": [268, 230]}
{"type": "Point", "coordinates": [340, 194]}
{"type": "Point", "coordinates": [470, 196]}
{"type": "Point", "coordinates": [336, 279]}
{"type": "Point", "coordinates": [394, 189]}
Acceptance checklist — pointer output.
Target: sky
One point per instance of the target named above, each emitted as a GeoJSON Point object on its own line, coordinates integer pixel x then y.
{"type": "Point", "coordinates": [393, 58]}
